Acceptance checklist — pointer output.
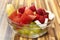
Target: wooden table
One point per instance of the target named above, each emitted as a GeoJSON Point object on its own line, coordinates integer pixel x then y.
{"type": "Point", "coordinates": [53, 31]}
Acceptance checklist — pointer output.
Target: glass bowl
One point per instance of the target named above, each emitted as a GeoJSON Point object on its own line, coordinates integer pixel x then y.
{"type": "Point", "coordinates": [28, 30]}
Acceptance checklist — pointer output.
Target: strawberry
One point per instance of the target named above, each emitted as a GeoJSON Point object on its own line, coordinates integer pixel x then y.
{"type": "Point", "coordinates": [28, 12]}
{"type": "Point", "coordinates": [40, 11]}
{"type": "Point", "coordinates": [13, 15]}
{"type": "Point", "coordinates": [21, 9]}
{"type": "Point", "coordinates": [16, 19]}
{"type": "Point", "coordinates": [44, 12]}
{"type": "Point", "coordinates": [46, 15]}
{"type": "Point", "coordinates": [41, 19]}
{"type": "Point", "coordinates": [19, 14]}
{"type": "Point", "coordinates": [32, 16]}
{"type": "Point", "coordinates": [24, 19]}
{"type": "Point", "coordinates": [37, 16]}
{"type": "Point", "coordinates": [33, 8]}
{"type": "Point", "coordinates": [27, 17]}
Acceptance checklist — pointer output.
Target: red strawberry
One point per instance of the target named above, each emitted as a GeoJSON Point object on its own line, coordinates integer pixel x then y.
{"type": "Point", "coordinates": [46, 15]}
{"type": "Point", "coordinates": [37, 16]}
{"type": "Point", "coordinates": [32, 16]}
{"type": "Point", "coordinates": [33, 8]}
{"type": "Point", "coordinates": [19, 14]}
{"type": "Point", "coordinates": [28, 12]}
{"type": "Point", "coordinates": [44, 12]}
{"type": "Point", "coordinates": [40, 11]}
{"type": "Point", "coordinates": [42, 19]}
{"type": "Point", "coordinates": [27, 17]}
{"type": "Point", "coordinates": [21, 9]}
{"type": "Point", "coordinates": [13, 15]}
{"type": "Point", "coordinates": [16, 19]}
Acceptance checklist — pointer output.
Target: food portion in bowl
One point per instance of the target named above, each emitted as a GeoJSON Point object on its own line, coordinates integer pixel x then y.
{"type": "Point", "coordinates": [28, 20]}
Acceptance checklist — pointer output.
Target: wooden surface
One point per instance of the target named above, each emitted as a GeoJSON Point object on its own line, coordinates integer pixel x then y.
{"type": "Point", "coordinates": [53, 31]}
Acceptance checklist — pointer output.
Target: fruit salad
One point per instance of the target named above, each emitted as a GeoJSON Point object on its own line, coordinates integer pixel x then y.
{"type": "Point", "coordinates": [29, 21]}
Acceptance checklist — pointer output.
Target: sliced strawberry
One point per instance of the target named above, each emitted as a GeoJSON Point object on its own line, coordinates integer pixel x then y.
{"type": "Point", "coordinates": [46, 15]}
{"type": "Point", "coordinates": [42, 19]}
{"type": "Point", "coordinates": [21, 9]}
{"type": "Point", "coordinates": [40, 11]}
{"type": "Point", "coordinates": [37, 16]}
{"type": "Point", "coordinates": [27, 17]}
{"type": "Point", "coordinates": [13, 15]}
{"type": "Point", "coordinates": [16, 19]}
{"type": "Point", "coordinates": [24, 19]}
{"type": "Point", "coordinates": [44, 12]}
{"type": "Point", "coordinates": [33, 8]}
{"type": "Point", "coordinates": [28, 12]}
{"type": "Point", "coordinates": [32, 16]}
{"type": "Point", "coordinates": [19, 14]}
